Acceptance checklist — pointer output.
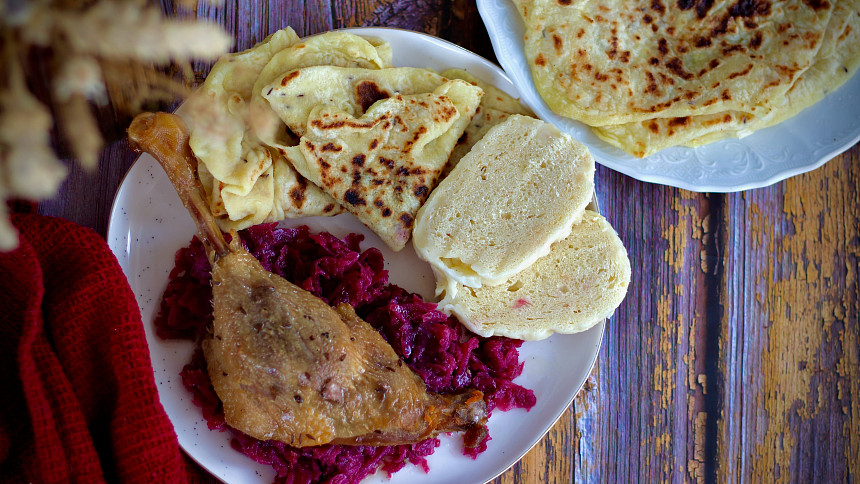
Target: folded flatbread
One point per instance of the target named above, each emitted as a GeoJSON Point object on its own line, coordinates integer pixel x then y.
{"type": "Point", "coordinates": [294, 94]}
{"type": "Point", "coordinates": [835, 63]}
{"type": "Point", "coordinates": [241, 143]}
{"type": "Point", "coordinates": [382, 164]}
{"type": "Point", "coordinates": [620, 61]}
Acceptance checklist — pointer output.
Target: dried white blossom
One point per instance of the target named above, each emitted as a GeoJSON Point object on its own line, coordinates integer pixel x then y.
{"type": "Point", "coordinates": [8, 232]}
{"type": "Point", "coordinates": [115, 30]}
{"type": "Point", "coordinates": [101, 51]}
{"type": "Point", "coordinates": [34, 172]}
{"type": "Point", "coordinates": [31, 167]}
{"type": "Point", "coordinates": [80, 75]}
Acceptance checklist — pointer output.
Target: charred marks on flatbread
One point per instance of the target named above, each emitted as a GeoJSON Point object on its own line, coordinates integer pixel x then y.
{"type": "Point", "coordinates": [340, 123]}
{"type": "Point", "coordinates": [406, 220]}
{"type": "Point", "coordinates": [701, 6]}
{"type": "Point", "coordinates": [740, 73]}
{"type": "Point", "coordinates": [817, 4]}
{"type": "Point", "coordinates": [368, 92]}
{"type": "Point", "coordinates": [297, 193]}
{"type": "Point", "coordinates": [407, 146]}
{"type": "Point", "coordinates": [676, 67]}
{"type": "Point", "coordinates": [353, 197]}
{"type": "Point", "coordinates": [558, 43]}
{"type": "Point", "coordinates": [289, 77]}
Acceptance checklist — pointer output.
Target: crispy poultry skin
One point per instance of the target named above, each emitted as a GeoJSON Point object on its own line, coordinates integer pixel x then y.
{"type": "Point", "coordinates": [287, 366]}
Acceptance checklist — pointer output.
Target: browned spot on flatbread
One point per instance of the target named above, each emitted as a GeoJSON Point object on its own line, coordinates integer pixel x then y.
{"type": "Point", "coordinates": [340, 123]}
{"type": "Point", "coordinates": [557, 42]}
{"type": "Point", "coordinates": [652, 87]}
{"type": "Point", "coordinates": [374, 144]}
{"type": "Point", "coordinates": [330, 147]}
{"type": "Point", "coordinates": [328, 208]}
{"type": "Point", "coordinates": [297, 193]}
{"type": "Point", "coordinates": [733, 48]}
{"type": "Point", "coordinates": [386, 212]}
{"type": "Point", "coordinates": [677, 67]}
{"type": "Point", "coordinates": [663, 46]}
{"type": "Point", "coordinates": [354, 198]}
{"type": "Point", "coordinates": [743, 72]}
{"type": "Point", "coordinates": [681, 121]}
{"type": "Point", "coordinates": [406, 219]}
{"type": "Point", "coordinates": [359, 159]}
{"type": "Point", "coordinates": [368, 92]}
{"type": "Point", "coordinates": [421, 191]}
{"type": "Point", "coordinates": [702, 42]}
{"type": "Point", "coordinates": [540, 60]}
{"type": "Point", "coordinates": [654, 127]}
{"type": "Point", "coordinates": [658, 6]}
{"type": "Point", "coordinates": [750, 8]}
{"type": "Point", "coordinates": [289, 77]}
{"type": "Point", "coordinates": [701, 6]}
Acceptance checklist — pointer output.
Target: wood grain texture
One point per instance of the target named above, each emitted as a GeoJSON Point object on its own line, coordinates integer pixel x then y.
{"type": "Point", "coordinates": [736, 355]}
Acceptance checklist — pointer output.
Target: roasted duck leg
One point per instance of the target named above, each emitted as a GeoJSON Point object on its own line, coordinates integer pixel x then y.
{"type": "Point", "coordinates": [287, 366]}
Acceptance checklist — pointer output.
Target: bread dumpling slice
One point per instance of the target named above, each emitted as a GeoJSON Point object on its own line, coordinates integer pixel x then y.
{"type": "Point", "coordinates": [578, 284]}
{"type": "Point", "coordinates": [521, 188]}
{"type": "Point", "coordinates": [382, 165]}
{"type": "Point", "coordinates": [496, 106]}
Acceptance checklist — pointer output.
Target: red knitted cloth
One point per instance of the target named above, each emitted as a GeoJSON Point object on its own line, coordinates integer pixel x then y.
{"type": "Point", "coordinates": [78, 400]}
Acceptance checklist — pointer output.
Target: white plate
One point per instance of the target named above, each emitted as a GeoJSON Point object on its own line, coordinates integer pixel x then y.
{"type": "Point", "coordinates": [795, 146]}
{"type": "Point", "coordinates": [148, 224]}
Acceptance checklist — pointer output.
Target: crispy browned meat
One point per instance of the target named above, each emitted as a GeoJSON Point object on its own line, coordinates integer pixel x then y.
{"type": "Point", "coordinates": [287, 366]}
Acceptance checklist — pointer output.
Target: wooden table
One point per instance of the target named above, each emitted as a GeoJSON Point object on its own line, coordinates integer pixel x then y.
{"type": "Point", "coordinates": [736, 355]}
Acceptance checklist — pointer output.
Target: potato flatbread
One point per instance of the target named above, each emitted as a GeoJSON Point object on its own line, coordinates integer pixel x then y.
{"type": "Point", "coordinates": [294, 94]}
{"type": "Point", "coordinates": [614, 62]}
{"type": "Point", "coordinates": [329, 49]}
{"type": "Point", "coordinates": [247, 181]}
{"type": "Point", "coordinates": [835, 63]}
{"type": "Point", "coordinates": [217, 113]}
{"type": "Point", "coordinates": [382, 165]}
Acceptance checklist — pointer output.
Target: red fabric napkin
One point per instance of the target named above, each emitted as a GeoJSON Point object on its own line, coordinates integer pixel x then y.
{"type": "Point", "coordinates": [78, 401]}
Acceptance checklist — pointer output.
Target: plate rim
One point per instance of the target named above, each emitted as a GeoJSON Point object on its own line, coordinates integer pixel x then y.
{"type": "Point", "coordinates": [111, 233]}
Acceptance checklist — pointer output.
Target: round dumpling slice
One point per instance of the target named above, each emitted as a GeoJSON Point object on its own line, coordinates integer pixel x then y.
{"type": "Point", "coordinates": [520, 188]}
{"type": "Point", "coordinates": [581, 282]}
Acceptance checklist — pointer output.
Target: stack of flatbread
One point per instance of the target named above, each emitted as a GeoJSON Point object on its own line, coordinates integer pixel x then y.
{"type": "Point", "coordinates": [515, 249]}
{"type": "Point", "coordinates": [302, 127]}
{"type": "Point", "coordinates": [650, 74]}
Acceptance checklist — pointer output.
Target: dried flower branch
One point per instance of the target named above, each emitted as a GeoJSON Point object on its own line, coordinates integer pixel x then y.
{"type": "Point", "coordinates": [100, 52]}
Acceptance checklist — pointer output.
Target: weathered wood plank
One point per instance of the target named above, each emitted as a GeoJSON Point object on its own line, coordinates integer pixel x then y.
{"type": "Point", "coordinates": [644, 419]}
{"type": "Point", "coordinates": [790, 336]}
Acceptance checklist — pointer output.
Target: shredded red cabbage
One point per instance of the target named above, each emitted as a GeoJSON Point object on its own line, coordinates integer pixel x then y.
{"type": "Point", "coordinates": [435, 346]}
